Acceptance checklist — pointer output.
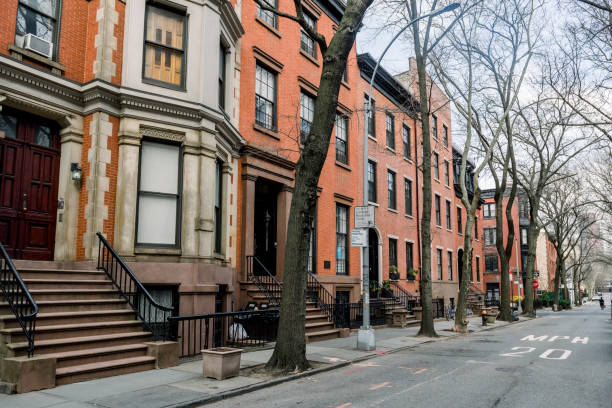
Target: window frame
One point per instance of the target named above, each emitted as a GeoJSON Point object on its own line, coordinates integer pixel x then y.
{"type": "Point", "coordinates": [304, 36]}
{"type": "Point", "coordinates": [446, 173]}
{"type": "Point", "coordinates": [445, 135]}
{"type": "Point", "coordinates": [409, 256]}
{"type": "Point", "coordinates": [390, 133]}
{"type": "Point", "coordinates": [406, 141]}
{"type": "Point", "coordinates": [391, 190]}
{"type": "Point", "coordinates": [371, 116]}
{"type": "Point", "coordinates": [488, 210]}
{"type": "Point", "coordinates": [393, 259]}
{"type": "Point", "coordinates": [490, 236]}
{"type": "Point", "coordinates": [260, 13]}
{"type": "Point", "coordinates": [274, 102]}
{"type": "Point", "coordinates": [342, 118]}
{"type": "Point", "coordinates": [346, 240]}
{"type": "Point", "coordinates": [459, 221]}
{"type": "Point", "coordinates": [438, 209]}
{"type": "Point", "coordinates": [407, 196]}
{"type": "Point", "coordinates": [487, 262]}
{"type": "Point", "coordinates": [222, 75]}
{"type": "Point", "coordinates": [157, 82]}
{"type": "Point", "coordinates": [434, 126]}
{"type": "Point", "coordinates": [477, 268]}
{"type": "Point", "coordinates": [218, 233]}
{"type": "Point", "coordinates": [449, 267]}
{"type": "Point", "coordinates": [439, 263]}
{"type": "Point", "coordinates": [305, 96]}
{"type": "Point", "coordinates": [372, 194]}
{"type": "Point", "coordinates": [57, 19]}
{"type": "Point", "coordinates": [436, 165]}
{"type": "Point", "coordinates": [179, 210]}
{"type": "Point", "coordinates": [449, 225]}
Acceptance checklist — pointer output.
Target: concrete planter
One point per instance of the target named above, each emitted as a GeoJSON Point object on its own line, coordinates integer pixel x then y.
{"type": "Point", "coordinates": [418, 312]}
{"type": "Point", "coordinates": [221, 362]}
{"type": "Point", "coordinates": [491, 318]}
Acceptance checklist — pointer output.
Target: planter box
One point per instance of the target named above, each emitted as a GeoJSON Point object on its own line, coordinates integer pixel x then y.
{"type": "Point", "coordinates": [221, 362]}
{"type": "Point", "coordinates": [491, 318]}
{"type": "Point", "coordinates": [400, 318]}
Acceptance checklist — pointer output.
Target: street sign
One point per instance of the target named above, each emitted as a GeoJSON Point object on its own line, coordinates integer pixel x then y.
{"type": "Point", "coordinates": [364, 216]}
{"type": "Point", "coordinates": [535, 284]}
{"type": "Point", "coordinates": [359, 237]}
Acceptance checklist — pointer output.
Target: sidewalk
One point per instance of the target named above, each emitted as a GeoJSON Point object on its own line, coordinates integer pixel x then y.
{"type": "Point", "coordinates": [183, 385]}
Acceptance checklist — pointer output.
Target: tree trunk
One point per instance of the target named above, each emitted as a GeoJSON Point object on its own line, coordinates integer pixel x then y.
{"type": "Point", "coordinates": [464, 284]}
{"type": "Point", "coordinates": [557, 281]}
{"type": "Point", "coordinates": [532, 237]}
{"type": "Point", "coordinates": [504, 253]}
{"type": "Point", "coordinates": [290, 350]}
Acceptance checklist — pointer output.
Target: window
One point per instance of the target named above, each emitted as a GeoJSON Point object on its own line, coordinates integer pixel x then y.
{"type": "Point", "coordinates": [434, 126]}
{"type": "Point", "coordinates": [488, 210]}
{"type": "Point", "coordinates": [459, 223]}
{"type": "Point", "coordinates": [341, 139]}
{"type": "Point", "coordinates": [524, 208]}
{"type": "Point", "coordinates": [390, 127]}
{"type": "Point", "coordinates": [439, 263]}
{"type": "Point", "coordinates": [450, 265]}
{"type": "Point", "coordinates": [265, 98]}
{"type": "Point", "coordinates": [39, 18]}
{"type": "Point", "coordinates": [391, 189]}
{"type": "Point", "coordinates": [159, 194]}
{"type": "Point", "coordinates": [218, 205]}
{"type": "Point", "coordinates": [476, 228]}
{"type": "Point", "coordinates": [341, 240]}
{"type": "Point", "coordinates": [524, 236]}
{"type": "Point", "coordinates": [371, 181]}
{"type": "Point", "coordinates": [489, 236]}
{"type": "Point", "coordinates": [409, 259]}
{"type": "Point", "coordinates": [267, 16]}
{"type": "Point", "coordinates": [408, 196]}
{"type": "Point", "coordinates": [436, 163]}
{"type": "Point", "coordinates": [491, 263]}
{"type": "Point", "coordinates": [446, 173]}
{"type": "Point", "coordinates": [306, 115]}
{"type": "Point", "coordinates": [438, 215]}
{"type": "Point", "coordinates": [222, 52]}
{"type": "Point", "coordinates": [448, 215]}
{"type": "Point", "coordinates": [477, 269]}
{"type": "Point", "coordinates": [307, 44]}
{"type": "Point", "coordinates": [406, 141]}
{"type": "Point", "coordinates": [392, 253]}
{"type": "Point", "coordinates": [445, 135]}
{"type": "Point", "coordinates": [371, 117]}
{"type": "Point", "coordinates": [164, 44]}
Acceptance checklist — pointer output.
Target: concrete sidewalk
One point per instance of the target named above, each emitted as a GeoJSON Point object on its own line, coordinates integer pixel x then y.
{"type": "Point", "coordinates": [184, 385]}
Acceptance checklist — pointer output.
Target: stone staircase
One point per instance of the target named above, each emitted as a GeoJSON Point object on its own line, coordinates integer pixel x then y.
{"type": "Point", "coordinates": [411, 319]}
{"type": "Point", "coordinates": [82, 322]}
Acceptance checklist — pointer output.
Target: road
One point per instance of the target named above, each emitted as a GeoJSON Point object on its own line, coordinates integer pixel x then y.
{"type": "Point", "coordinates": [558, 360]}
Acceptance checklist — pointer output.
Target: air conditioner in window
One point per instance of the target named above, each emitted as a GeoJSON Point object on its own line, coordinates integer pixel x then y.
{"type": "Point", "coordinates": [38, 45]}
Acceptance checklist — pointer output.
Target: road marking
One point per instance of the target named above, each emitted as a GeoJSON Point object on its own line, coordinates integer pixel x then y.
{"type": "Point", "coordinates": [380, 351]}
{"type": "Point", "coordinates": [334, 359]}
{"type": "Point", "coordinates": [366, 365]}
{"type": "Point", "coordinates": [553, 338]}
{"type": "Point", "coordinates": [381, 385]}
{"type": "Point", "coordinates": [516, 353]}
{"type": "Point", "coordinates": [547, 353]}
{"type": "Point", "coordinates": [344, 405]}
{"type": "Point", "coordinates": [583, 340]}
{"type": "Point", "coordinates": [412, 370]}
{"type": "Point", "coordinates": [353, 371]}
{"type": "Point", "coordinates": [531, 337]}
{"type": "Point", "coordinates": [478, 362]}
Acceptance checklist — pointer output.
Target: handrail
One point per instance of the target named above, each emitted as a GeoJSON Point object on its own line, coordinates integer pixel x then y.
{"type": "Point", "coordinates": [407, 299]}
{"type": "Point", "coordinates": [18, 298]}
{"type": "Point", "coordinates": [325, 300]}
{"type": "Point", "coordinates": [266, 283]}
{"type": "Point", "coordinates": [154, 316]}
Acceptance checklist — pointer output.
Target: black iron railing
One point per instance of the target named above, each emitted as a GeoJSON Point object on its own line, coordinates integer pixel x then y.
{"type": "Point", "coordinates": [18, 298]}
{"type": "Point", "coordinates": [154, 316]}
{"type": "Point", "coordinates": [350, 315]}
{"type": "Point", "coordinates": [407, 299]}
{"type": "Point", "coordinates": [264, 280]}
{"type": "Point", "coordinates": [317, 293]}
{"type": "Point", "coordinates": [492, 302]}
{"type": "Point", "coordinates": [233, 329]}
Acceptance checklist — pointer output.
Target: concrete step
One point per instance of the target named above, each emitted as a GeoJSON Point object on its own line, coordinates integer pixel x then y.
{"type": "Point", "coordinates": [84, 372]}
{"type": "Point", "coordinates": [68, 284]}
{"type": "Point", "coordinates": [73, 294]}
{"type": "Point", "coordinates": [78, 274]}
{"type": "Point", "coordinates": [51, 319]}
{"type": "Point", "coordinates": [316, 318]}
{"type": "Point", "coordinates": [59, 265]}
{"type": "Point", "coordinates": [322, 335]}
{"type": "Point", "coordinates": [79, 343]}
{"type": "Point", "coordinates": [51, 306]}
{"type": "Point", "coordinates": [318, 327]}
{"type": "Point", "coordinates": [65, 331]}
{"type": "Point", "coordinates": [97, 355]}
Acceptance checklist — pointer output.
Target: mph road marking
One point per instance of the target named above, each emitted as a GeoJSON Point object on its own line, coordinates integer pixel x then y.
{"type": "Point", "coordinates": [550, 354]}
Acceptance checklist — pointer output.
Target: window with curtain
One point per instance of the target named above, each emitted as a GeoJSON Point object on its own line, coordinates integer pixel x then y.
{"type": "Point", "coordinates": [164, 46]}
{"type": "Point", "coordinates": [307, 44]}
{"type": "Point", "coordinates": [341, 240]}
{"type": "Point", "coordinates": [307, 105]}
{"type": "Point", "coordinates": [265, 97]}
{"type": "Point", "coordinates": [159, 194]}
{"type": "Point", "coordinates": [408, 196]}
{"type": "Point", "coordinates": [268, 17]}
{"type": "Point", "coordinates": [371, 181]}
{"type": "Point", "coordinates": [341, 139]}
{"type": "Point", "coordinates": [391, 190]}
{"type": "Point", "coordinates": [390, 130]}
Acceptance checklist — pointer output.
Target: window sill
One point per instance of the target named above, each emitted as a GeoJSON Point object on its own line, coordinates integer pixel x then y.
{"type": "Point", "coordinates": [390, 149]}
{"type": "Point", "coordinates": [409, 216]}
{"type": "Point", "coordinates": [310, 57]}
{"type": "Point", "coordinates": [265, 131]}
{"type": "Point", "coordinates": [156, 251]}
{"type": "Point", "coordinates": [439, 226]}
{"type": "Point", "coordinates": [345, 84]}
{"type": "Point", "coordinates": [373, 203]}
{"type": "Point", "coordinates": [19, 53]}
{"type": "Point", "coordinates": [269, 27]}
{"type": "Point", "coordinates": [408, 159]}
{"type": "Point", "coordinates": [162, 84]}
{"type": "Point", "coordinates": [449, 230]}
{"type": "Point", "coordinates": [372, 138]}
{"type": "Point", "coordinates": [392, 210]}
{"type": "Point", "coordinates": [437, 180]}
{"type": "Point", "coordinates": [343, 165]}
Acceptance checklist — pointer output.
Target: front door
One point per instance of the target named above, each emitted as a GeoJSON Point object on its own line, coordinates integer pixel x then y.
{"type": "Point", "coordinates": [29, 167]}
{"type": "Point", "coordinates": [373, 258]}
{"type": "Point", "coordinates": [266, 195]}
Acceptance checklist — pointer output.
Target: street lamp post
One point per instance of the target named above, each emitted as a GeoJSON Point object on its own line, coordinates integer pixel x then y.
{"type": "Point", "coordinates": [365, 335]}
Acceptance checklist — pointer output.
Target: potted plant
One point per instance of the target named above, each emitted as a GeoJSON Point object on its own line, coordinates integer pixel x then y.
{"type": "Point", "coordinates": [393, 273]}
{"type": "Point", "coordinates": [374, 289]}
{"type": "Point", "coordinates": [411, 274]}
{"type": "Point", "coordinates": [221, 362]}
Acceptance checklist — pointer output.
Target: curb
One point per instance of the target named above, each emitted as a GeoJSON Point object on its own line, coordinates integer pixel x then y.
{"type": "Point", "coordinates": [265, 384]}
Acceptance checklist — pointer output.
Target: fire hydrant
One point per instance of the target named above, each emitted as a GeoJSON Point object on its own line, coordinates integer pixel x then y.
{"type": "Point", "coordinates": [483, 314]}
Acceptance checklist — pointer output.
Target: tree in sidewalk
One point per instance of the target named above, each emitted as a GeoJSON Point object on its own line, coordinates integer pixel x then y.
{"type": "Point", "coordinates": [481, 65]}
{"type": "Point", "coordinates": [290, 350]}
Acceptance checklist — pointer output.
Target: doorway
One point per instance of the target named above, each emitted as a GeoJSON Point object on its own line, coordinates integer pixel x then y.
{"type": "Point", "coordinates": [266, 197]}
{"type": "Point", "coordinates": [460, 264]}
{"type": "Point", "coordinates": [373, 257]}
{"type": "Point", "coordinates": [29, 170]}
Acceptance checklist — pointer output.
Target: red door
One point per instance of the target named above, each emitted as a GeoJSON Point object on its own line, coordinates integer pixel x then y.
{"type": "Point", "coordinates": [29, 167]}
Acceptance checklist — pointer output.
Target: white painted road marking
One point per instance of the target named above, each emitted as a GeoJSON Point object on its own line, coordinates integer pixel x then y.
{"type": "Point", "coordinates": [516, 354]}
{"type": "Point", "coordinates": [547, 353]}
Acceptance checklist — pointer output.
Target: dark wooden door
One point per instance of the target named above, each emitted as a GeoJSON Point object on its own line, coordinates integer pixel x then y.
{"type": "Point", "coordinates": [29, 167]}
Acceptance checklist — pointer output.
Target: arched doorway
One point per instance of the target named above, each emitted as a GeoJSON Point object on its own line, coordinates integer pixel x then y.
{"type": "Point", "coordinates": [460, 264]}
{"type": "Point", "coordinates": [373, 255]}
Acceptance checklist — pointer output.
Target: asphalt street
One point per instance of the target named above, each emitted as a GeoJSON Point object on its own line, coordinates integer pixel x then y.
{"type": "Point", "coordinates": [561, 359]}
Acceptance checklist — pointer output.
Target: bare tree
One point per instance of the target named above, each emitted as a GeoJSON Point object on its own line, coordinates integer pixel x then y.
{"type": "Point", "coordinates": [290, 350]}
{"type": "Point", "coordinates": [491, 48]}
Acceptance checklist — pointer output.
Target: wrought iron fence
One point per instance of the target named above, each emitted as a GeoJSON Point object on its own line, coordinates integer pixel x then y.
{"type": "Point", "coordinates": [18, 298]}
{"type": "Point", "coordinates": [232, 329]}
{"type": "Point", "coordinates": [407, 299]}
{"type": "Point", "coordinates": [317, 293]}
{"type": "Point", "coordinates": [153, 315]}
{"type": "Point", "coordinates": [264, 280]}
{"type": "Point", "coordinates": [350, 315]}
